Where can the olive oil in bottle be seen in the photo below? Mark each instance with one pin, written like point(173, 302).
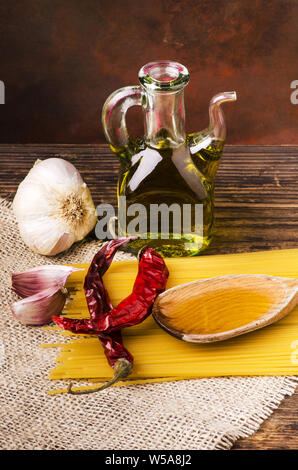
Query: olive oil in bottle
point(169, 197)
point(166, 181)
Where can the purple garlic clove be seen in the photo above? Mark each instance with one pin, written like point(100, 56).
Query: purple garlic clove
point(37, 279)
point(39, 308)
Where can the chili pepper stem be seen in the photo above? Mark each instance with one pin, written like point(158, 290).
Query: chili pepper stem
point(122, 369)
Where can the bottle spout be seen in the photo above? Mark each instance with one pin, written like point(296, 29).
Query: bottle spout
point(217, 125)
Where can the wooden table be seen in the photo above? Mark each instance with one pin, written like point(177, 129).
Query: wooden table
point(256, 209)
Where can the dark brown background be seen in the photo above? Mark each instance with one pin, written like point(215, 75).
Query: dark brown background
point(60, 59)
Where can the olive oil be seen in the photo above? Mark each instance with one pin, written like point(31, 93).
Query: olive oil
point(223, 307)
point(216, 312)
point(177, 179)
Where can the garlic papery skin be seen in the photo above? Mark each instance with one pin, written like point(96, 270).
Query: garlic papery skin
point(53, 207)
point(37, 279)
point(39, 308)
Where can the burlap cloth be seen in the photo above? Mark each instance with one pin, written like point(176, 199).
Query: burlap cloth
point(189, 414)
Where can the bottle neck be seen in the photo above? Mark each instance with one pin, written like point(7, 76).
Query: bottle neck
point(164, 119)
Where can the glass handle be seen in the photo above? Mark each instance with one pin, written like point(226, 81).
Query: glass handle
point(114, 112)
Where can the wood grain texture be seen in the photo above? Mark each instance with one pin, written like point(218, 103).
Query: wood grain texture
point(256, 209)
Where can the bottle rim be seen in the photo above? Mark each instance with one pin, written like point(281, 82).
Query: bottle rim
point(164, 75)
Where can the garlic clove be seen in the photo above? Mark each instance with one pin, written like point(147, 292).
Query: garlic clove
point(46, 236)
point(64, 242)
point(34, 280)
point(32, 200)
point(39, 308)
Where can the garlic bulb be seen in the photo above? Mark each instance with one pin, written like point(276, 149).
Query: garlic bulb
point(53, 207)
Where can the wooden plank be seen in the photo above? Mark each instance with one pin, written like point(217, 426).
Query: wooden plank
point(256, 209)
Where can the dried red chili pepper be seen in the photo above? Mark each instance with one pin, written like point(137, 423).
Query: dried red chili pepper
point(118, 357)
point(150, 282)
point(97, 297)
point(107, 323)
point(98, 302)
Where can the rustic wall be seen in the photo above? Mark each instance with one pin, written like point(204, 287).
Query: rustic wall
point(60, 59)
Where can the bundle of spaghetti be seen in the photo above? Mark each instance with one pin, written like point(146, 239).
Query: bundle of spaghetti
point(158, 356)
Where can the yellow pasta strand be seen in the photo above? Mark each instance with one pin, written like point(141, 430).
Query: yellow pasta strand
point(159, 356)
